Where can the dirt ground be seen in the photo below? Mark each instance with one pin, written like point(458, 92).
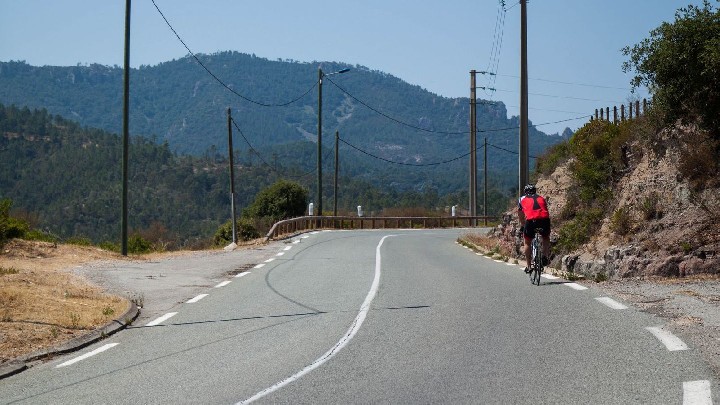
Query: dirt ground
point(43, 303)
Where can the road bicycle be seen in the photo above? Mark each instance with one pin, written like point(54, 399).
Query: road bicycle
point(536, 262)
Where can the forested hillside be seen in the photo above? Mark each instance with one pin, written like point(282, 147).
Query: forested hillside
point(180, 104)
point(66, 179)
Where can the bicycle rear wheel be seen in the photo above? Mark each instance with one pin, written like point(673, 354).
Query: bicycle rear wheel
point(536, 261)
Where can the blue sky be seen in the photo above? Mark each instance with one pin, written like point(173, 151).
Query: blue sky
point(433, 44)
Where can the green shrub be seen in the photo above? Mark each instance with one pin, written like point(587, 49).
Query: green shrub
point(137, 244)
point(649, 207)
point(552, 158)
point(40, 236)
point(79, 241)
point(578, 230)
point(110, 246)
point(620, 221)
point(282, 200)
point(245, 231)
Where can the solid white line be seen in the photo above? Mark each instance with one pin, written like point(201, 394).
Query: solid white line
point(287, 248)
point(86, 355)
point(611, 303)
point(269, 260)
point(257, 266)
point(576, 286)
point(357, 323)
point(244, 273)
point(697, 393)
point(162, 319)
point(196, 299)
point(223, 284)
point(549, 276)
point(671, 342)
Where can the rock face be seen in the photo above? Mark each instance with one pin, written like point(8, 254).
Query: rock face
point(673, 228)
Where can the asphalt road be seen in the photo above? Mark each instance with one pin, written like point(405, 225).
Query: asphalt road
point(376, 317)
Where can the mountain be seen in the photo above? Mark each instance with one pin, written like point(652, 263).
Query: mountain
point(179, 102)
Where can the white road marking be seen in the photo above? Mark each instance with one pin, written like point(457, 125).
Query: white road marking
point(296, 241)
point(499, 261)
point(86, 355)
point(697, 393)
point(162, 319)
point(280, 253)
point(304, 236)
point(269, 260)
point(549, 276)
point(357, 323)
point(511, 264)
point(479, 254)
point(611, 303)
point(258, 266)
point(223, 284)
point(196, 299)
point(671, 342)
point(576, 286)
point(244, 273)
point(287, 248)
point(314, 233)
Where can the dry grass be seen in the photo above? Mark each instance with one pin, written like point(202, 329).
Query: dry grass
point(42, 304)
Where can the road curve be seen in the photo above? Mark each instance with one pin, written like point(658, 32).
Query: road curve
point(380, 317)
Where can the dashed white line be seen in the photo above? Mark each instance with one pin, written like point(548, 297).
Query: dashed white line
point(269, 260)
point(162, 319)
point(86, 355)
point(314, 233)
point(223, 284)
point(280, 253)
point(196, 299)
point(287, 248)
point(258, 266)
point(671, 342)
point(576, 286)
point(697, 393)
point(244, 273)
point(296, 241)
point(304, 237)
point(611, 303)
point(550, 276)
point(511, 264)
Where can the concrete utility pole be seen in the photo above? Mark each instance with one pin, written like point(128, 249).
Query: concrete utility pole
point(473, 146)
point(337, 164)
point(524, 175)
point(319, 145)
point(126, 135)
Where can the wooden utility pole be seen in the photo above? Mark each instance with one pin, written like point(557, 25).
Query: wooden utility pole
point(524, 175)
point(126, 134)
point(232, 178)
point(473, 146)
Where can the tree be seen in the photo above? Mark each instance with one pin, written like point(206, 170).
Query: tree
point(680, 64)
point(282, 200)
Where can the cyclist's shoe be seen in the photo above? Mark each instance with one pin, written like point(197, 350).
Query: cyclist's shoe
point(527, 270)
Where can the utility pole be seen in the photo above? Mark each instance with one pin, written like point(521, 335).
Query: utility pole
point(319, 145)
point(337, 163)
point(473, 147)
point(126, 134)
point(485, 181)
point(524, 175)
point(232, 178)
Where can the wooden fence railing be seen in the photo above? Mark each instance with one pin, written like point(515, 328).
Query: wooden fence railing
point(294, 225)
point(604, 114)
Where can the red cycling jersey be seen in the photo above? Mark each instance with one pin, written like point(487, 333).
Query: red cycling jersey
point(533, 206)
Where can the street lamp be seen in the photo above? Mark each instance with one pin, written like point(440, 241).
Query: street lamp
point(319, 136)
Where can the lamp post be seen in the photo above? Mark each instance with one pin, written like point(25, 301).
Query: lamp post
point(319, 136)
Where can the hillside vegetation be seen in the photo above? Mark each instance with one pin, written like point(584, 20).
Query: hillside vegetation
point(179, 103)
point(639, 198)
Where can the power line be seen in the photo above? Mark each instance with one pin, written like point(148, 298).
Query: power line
point(218, 79)
point(263, 160)
point(392, 118)
point(566, 97)
point(403, 163)
point(570, 83)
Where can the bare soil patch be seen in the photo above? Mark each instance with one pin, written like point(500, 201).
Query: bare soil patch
point(42, 304)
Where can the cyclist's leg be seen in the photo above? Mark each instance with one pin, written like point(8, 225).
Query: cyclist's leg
point(528, 251)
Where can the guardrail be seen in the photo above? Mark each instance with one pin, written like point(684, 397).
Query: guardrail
point(294, 225)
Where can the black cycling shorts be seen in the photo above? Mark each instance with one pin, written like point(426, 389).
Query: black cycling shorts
point(531, 224)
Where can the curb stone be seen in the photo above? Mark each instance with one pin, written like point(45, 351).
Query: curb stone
point(24, 362)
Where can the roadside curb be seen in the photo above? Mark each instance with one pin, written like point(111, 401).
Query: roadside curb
point(23, 363)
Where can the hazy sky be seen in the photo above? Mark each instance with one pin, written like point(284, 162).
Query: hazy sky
point(433, 44)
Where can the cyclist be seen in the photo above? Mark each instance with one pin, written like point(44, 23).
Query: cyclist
point(533, 213)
